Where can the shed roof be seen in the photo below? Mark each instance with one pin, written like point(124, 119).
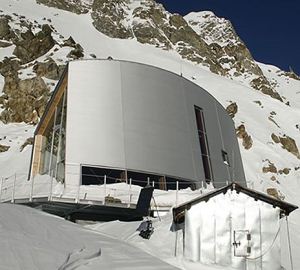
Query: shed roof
point(286, 208)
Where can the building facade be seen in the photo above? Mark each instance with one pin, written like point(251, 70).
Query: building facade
point(128, 120)
point(233, 227)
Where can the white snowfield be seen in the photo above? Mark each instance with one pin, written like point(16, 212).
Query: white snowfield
point(33, 240)
point(50, 244)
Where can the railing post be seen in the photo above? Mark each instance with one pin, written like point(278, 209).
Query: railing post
point(152, 183)
point(13, 191)
point(2, 180)
point(130, 181)
point(104, 188)
point(31, 189)
point(177, 187)
point(148, 181)
point(51, 188)
point(78, 194)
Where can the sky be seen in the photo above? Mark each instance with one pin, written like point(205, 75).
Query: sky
point(269, 28)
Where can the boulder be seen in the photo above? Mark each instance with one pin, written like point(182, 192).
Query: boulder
point(4, 148)
point(262, 84)
point(270, 168)
point(242, 134)
point(274, 193)
point(232, 109)
point(287, 143)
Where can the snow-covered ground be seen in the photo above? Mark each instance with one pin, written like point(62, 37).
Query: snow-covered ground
point(254, 111)
point(33, 240)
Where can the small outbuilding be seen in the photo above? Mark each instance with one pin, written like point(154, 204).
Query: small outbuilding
point(233, 227)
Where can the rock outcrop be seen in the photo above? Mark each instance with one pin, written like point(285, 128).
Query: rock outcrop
point(287, 143)
point(275, 193)
point(232, 109)
point(31, 46)
point(200, 37)
point(4, 148)
point(23, 100)
point(48, 69)
point(270, 168)
point(242, 134)
point(5, 31)
point(75, 6)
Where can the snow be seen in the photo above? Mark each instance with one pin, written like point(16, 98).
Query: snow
point(6, 52)
point(31, 239)
point(254, 116)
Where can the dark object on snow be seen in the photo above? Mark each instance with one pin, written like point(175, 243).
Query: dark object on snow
point(144, 200)
point(146, 229)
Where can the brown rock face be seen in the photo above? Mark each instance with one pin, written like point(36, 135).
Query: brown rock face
point(9, 66)
point(23, 100)
point(270, 168)
point(242, 134)
point(287, 143)
point(4, 148)
point(284, 171)
point(75, 6)
point(5, 31)
point(108, 16)
point(263, 85)
point(275, 138)
point(48, 69)
point(232, 109)
point(274, 193)
point(30, 46)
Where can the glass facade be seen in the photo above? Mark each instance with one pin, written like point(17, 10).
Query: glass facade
point(54, 141)
point(206, 162)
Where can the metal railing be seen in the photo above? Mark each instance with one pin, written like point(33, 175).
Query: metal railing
point(108, 190)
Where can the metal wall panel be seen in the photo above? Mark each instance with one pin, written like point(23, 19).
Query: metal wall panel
point(138, 117)
point(94, 115)
point(156, 130)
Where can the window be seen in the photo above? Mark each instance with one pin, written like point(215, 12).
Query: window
point(225, 157)
point(206, 162)
point(53, 148)
point(93, 175)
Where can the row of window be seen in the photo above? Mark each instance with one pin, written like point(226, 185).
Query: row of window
point(98, 176)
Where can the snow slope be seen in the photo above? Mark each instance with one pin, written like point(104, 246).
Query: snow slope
point(34, 240)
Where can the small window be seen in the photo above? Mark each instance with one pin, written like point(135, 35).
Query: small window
point(225, 158)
